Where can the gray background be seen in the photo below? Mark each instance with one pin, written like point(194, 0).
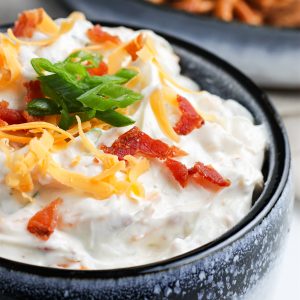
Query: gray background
point(9, 9)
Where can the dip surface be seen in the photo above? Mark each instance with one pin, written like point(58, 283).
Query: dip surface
point(130, 229)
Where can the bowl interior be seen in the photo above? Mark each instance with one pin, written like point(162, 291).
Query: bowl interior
point(217, 77)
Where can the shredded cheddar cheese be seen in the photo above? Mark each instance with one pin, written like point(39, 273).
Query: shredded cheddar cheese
point(149, 53)
point(119, 55)
point(166, 94)
point(49, 27)
point(91, 185)
point(10, 68)
point(21, 165)
point(36, 125)
point(116, 58)
point(101, 186)
point(75, 161)
point(167, 78)
point(38, 157)
point(74, 131)
point(159, 110)
point(107, 159)
point(136, 167)
point(15, 138)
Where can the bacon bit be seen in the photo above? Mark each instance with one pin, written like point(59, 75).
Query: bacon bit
point(10, 116)
point(64, 266)
point(3, 123)
point(69, 263)
point(27, 22)
point(179, 171)
point(195, 6)
point(102, 69)
point(44, 222)
point(96, 160)
point(135, 141)
point(247, 14)
point(207, 174)
point(34, 90)
point(29, 118)
point(134, 46)
point(189, 120)
point(98, 36)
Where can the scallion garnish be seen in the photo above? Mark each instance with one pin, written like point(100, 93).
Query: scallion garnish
point(69, 89)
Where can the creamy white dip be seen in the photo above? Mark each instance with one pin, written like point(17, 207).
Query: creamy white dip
point(118, 232)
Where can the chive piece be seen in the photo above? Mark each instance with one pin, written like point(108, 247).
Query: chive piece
point(42, 107)
point(114, 118)
point(108, 96)
point(69, 89)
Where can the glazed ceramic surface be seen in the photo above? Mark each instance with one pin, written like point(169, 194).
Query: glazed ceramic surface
point(236, 265)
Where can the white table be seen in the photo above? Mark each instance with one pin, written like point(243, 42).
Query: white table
point(288, 287)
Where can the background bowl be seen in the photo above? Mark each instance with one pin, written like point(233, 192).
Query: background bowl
point(269, 55)
point(238, 263)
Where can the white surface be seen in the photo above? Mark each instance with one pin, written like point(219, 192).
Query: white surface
point(288, 284)
point(287, 287)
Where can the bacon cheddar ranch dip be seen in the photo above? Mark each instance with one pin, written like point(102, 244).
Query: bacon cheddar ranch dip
point(109, 156)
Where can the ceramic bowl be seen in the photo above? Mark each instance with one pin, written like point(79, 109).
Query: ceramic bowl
point(238, 264)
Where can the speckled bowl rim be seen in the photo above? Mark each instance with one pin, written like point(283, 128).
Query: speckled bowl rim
point(259, 211)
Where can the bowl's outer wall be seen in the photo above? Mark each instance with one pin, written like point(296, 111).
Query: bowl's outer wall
point(224, 272)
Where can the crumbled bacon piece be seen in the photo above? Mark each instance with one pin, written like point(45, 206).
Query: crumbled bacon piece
point(98, 36)
point(27, 22)
point(179, 171)
point(135, 141)
point(34, 90)
point(134, 46)
point(207, 174)
point(10, 116)
point(44, 222)
point(15, 116)
point(102, 69)
point(3, 123)
point(29, 118)
point(189, 120)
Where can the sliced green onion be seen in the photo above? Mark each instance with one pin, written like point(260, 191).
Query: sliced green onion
point(69, 89)
point(108, 96)
point(42, 107)
point(65, 120)
point(114, 118)
point(90, 59)
point(126, 74)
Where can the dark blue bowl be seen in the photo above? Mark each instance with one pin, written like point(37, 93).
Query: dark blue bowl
point(237, 264)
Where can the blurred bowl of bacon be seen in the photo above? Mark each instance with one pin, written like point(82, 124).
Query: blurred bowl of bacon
point(259, 37)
